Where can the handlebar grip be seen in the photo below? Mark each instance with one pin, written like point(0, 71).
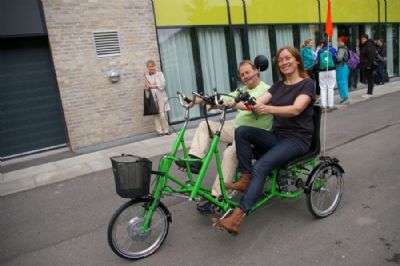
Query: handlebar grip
point(248, 107)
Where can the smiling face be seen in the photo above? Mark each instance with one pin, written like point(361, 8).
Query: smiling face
point(249, 75)
point(287, 63)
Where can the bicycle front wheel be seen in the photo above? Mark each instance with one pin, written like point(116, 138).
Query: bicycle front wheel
point(126, 236)
point(325, 191)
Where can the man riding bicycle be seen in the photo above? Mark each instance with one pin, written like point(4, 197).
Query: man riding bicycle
point(250, 77)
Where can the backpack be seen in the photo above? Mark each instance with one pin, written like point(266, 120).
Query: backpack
point(353, 60)
point(326, 60)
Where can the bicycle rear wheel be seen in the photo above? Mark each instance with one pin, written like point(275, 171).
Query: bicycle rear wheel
point(325, 192)
point(125, 235)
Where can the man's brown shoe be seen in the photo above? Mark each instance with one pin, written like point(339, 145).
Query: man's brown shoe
point(241, 184)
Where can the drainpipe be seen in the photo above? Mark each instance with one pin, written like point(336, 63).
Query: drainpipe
point(231, 50)
point(155, 25)
point(319, 21)
point(379, 18)
point(385, 19)
point(246, 32)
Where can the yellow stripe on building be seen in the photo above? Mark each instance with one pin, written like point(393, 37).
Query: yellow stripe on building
point(215, 12)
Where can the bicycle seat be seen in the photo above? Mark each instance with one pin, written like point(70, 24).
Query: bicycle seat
point(315, 147)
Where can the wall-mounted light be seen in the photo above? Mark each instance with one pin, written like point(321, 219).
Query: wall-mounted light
point(113, 76)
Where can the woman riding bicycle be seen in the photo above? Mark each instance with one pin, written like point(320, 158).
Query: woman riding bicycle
point(290, 102)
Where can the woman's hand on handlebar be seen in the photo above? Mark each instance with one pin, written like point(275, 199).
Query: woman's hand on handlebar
point(261, 109)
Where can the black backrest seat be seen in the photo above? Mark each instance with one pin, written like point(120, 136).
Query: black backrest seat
point(315, 147)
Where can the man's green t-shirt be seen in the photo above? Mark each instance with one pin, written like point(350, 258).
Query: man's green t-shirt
point(248, 118)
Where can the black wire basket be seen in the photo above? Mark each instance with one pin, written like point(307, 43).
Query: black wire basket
point(132, 175)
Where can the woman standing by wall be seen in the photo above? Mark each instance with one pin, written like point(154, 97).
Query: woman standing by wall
point(155, 82)
point(342, 70)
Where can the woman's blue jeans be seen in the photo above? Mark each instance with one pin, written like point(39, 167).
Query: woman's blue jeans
point(276, 152)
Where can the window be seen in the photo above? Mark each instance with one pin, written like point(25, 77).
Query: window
point(214, 60)
point(178, 68)
point(259, 44)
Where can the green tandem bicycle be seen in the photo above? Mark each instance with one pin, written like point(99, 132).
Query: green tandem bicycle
point(139, 227)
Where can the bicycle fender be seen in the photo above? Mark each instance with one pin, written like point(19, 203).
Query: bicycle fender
point(165, 209)
point(313, 174)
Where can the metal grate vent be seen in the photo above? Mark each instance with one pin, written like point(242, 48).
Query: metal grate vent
point(106, 43)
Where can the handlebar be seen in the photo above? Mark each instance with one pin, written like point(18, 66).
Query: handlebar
point(185, 101)
point(214, 100)
point(245, 97)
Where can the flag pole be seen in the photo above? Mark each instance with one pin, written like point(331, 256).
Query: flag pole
point(329, 32)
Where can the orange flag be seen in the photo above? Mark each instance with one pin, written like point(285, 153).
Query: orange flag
point(328, 25)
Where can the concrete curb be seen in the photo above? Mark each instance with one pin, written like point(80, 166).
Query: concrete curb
point(48, 173)
point(52, 172)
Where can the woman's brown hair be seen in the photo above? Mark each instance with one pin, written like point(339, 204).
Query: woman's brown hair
point(296, 54)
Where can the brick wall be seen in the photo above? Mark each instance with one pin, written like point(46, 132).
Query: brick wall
point(96, 110)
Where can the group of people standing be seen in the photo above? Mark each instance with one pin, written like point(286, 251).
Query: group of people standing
point(328, 74)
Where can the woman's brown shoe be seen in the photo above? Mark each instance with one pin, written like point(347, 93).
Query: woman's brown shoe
point(241, 184)
point(232, 223)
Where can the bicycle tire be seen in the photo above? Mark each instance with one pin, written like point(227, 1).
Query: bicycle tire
point(124, 235)
point(323, 198)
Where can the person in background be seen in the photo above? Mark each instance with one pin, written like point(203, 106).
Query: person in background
point(367, 55)
point(342, 70)
point(316, 70)
point(250, 77)
point(155, 82)
point(327, 79)
point(290, 101)
point(308, 57)
point(382, 61)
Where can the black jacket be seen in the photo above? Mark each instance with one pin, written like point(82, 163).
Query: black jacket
point(367, 54)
